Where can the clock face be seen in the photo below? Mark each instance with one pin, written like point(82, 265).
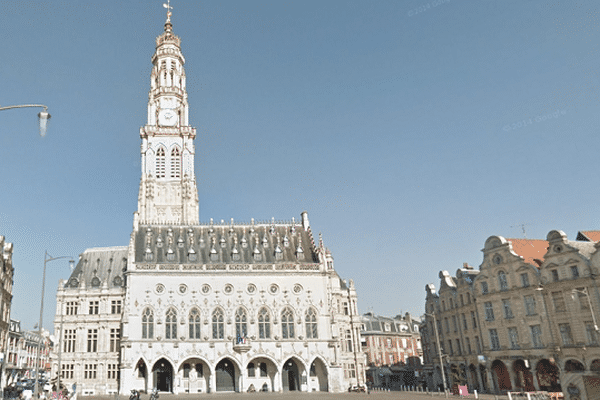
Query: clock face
point(167, 118)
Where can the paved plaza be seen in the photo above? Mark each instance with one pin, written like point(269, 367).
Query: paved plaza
point(299, 396)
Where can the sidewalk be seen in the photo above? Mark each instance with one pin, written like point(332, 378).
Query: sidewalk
point(374, 395)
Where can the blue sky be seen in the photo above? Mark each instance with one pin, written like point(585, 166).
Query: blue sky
point(410, 131)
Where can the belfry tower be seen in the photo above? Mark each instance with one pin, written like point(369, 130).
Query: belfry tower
point(168, 192)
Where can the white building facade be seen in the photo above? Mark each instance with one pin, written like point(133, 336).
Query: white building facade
point(203, 307)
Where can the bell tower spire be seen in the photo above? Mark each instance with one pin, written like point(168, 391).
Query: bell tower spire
point(168, 192)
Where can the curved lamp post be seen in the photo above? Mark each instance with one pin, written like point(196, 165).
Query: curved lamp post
point(43, 116)
point(584, 292)
point(47, 258)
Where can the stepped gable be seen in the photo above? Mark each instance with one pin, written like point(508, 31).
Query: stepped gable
point(532, 250)
point(99, 267)
point(255, 243)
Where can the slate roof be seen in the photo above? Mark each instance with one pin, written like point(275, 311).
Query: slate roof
point(99, 267)
point(261, 243)
point(532, 250)
point(588, 236)
point(375, 324)
point(585, 248)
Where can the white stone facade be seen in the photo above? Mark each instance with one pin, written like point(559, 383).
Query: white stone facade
point(192, 307)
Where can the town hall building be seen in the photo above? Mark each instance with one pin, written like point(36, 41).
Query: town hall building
point(196, 307)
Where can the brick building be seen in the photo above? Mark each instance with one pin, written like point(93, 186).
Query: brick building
point(393, 350)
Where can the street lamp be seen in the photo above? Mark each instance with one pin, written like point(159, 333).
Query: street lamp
point(47, 259)
point(540, 289)
point(585, 292)
point(43, 116)
point(437, 339)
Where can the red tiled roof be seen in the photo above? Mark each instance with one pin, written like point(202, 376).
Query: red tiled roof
point(592, 236)
point(532, 250)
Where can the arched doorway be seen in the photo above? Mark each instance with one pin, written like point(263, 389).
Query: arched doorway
point(318, 376)
point(473, 378)
point(547, 375)
point(502, 378)
point(454, 375)
point(261, 372)
point(574, 366)
point(290, 377)
point(141, 372)
point(523, 377)
point(194, 376)
point(162, 373)
point(438, 383)
point(225, 376)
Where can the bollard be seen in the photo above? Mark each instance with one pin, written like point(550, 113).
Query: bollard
point(528, 396)
point(509, 396)
point(475, 392)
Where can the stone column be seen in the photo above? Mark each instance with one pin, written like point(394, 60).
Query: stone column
point(536, 384)
point(212, 382)
point(479, 380)
point(492, 384)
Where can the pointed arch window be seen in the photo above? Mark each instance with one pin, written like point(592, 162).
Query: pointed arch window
point(147, 324)
point(194, 324)
point(287, 323)
point(171, 324)
point(218, 324)
point(264, 324)
point(311, 324)
point(241, 324)
point(160, 162)
point(175, 163)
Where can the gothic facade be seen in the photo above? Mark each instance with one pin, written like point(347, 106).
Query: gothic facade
point(203, 307)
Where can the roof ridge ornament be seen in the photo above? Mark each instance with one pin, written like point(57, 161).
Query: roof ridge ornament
point(168, 6)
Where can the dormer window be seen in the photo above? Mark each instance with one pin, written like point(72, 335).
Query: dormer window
point(554, 274)
point(574, 272)
point(95, 282)
point(387, 327)
point(222, 242)
point(148, 256)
